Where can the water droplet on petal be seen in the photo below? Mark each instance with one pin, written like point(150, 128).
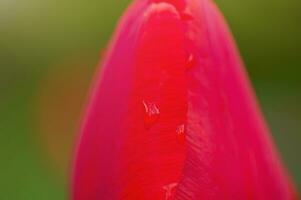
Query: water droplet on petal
point(170, 190)
point(152, 113)
point(181, 133)
point(191, 62)
point(186, 16)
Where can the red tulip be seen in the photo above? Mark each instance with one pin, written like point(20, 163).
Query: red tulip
point(173, 115)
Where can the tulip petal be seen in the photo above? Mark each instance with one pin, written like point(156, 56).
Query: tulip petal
point(230, 154)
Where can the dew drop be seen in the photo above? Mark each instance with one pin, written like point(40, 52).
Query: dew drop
point(186, 16)
point(152, 113)
point(191, 62)
point(181, 133)
point(170, 190)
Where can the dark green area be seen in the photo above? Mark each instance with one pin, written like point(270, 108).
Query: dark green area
point(35, 35)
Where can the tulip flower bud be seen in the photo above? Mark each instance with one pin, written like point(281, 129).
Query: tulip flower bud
point(173, 116)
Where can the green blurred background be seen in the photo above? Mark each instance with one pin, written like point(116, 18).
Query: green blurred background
point(49, 50)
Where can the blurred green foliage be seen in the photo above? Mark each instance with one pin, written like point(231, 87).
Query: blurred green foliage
point(36, 35)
